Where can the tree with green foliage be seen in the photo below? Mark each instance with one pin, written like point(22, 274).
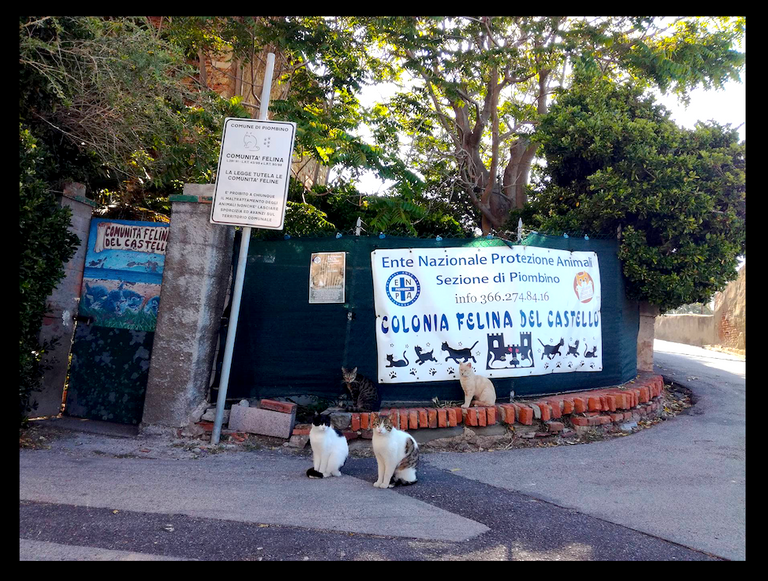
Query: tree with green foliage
point(117, 108)
point(323, 63)
point(482, 86)
point(105, 102)
point(45, 246)
point(616, 163)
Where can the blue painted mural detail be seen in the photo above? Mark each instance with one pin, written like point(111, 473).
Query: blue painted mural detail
point(123, 273)
point(120, 297)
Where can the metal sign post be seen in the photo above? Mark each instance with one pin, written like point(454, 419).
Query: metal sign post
point(250, 203)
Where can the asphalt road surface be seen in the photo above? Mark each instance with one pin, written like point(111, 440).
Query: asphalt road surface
point(675, 491)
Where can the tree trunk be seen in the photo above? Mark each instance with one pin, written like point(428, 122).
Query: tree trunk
point(645, 336)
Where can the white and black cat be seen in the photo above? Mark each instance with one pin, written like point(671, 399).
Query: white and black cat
point(329, 448)
point(397, 454)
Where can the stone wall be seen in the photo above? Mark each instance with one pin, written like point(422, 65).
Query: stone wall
point(730, 319)
point(58, 322)
point(196, 280)
point(726, 328)
point(688, 329)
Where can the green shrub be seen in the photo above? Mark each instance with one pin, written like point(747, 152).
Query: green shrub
point(45, 245)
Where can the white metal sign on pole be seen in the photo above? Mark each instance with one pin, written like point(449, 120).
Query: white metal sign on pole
point(254, 172)
point(251, 191)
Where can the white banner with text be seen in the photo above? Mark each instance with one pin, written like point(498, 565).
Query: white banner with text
point(511, 310)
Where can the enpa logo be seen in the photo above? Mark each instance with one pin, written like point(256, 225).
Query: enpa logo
point(403, 288)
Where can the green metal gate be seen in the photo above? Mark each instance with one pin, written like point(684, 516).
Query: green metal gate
point(113, 339)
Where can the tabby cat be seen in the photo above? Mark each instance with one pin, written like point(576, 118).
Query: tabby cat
point(397, 454)
point(329, 448)
point(364, 393)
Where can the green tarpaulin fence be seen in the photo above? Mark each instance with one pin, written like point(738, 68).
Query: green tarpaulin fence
point(286, 346)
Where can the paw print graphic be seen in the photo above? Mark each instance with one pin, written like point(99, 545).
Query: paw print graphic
point(432, 371)
point(392, 374)
point(451, 371)
point(413, 371)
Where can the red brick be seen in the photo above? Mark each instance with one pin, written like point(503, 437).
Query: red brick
point(350, 435)
point(355, 423)
point(404, 415)
point(432, 415)
point(616, 418)
point(567, 406)
point(524, 414)
point(394, 415)
point(600, 420)
point(423, 420)
point(459, 415)
point(611, 399)
point(579, 421)
point(509, 413)
point(555, 405)
point(471, 419)
point(593, 403)
point(413, 419)
point(442, 418)
point(451, 417)
point(546, 411)
point(622, 401)
point(644, 395)
point(555, 426)
point(490, 416)
point(277, 406)
point(481, 417)
point(301, 430)
point(579, 405)
point(365, 421)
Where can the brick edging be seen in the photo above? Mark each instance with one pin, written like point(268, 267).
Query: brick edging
point(595, 407)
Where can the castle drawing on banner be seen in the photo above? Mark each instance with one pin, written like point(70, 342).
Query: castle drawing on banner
point(503, 356)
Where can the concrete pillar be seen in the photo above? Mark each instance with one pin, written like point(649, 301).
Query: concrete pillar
point(645, 335)
point(196, 279)
point(58, 323)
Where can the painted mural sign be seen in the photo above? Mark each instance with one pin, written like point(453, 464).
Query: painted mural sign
point(511, 311)
point(118, 236)
point(123, 273)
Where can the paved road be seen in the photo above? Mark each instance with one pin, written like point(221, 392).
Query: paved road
point(673, 492)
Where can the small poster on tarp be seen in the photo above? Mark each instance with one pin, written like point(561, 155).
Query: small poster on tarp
point(327, 277)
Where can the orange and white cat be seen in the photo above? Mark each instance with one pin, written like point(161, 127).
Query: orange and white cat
point(475, 386)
